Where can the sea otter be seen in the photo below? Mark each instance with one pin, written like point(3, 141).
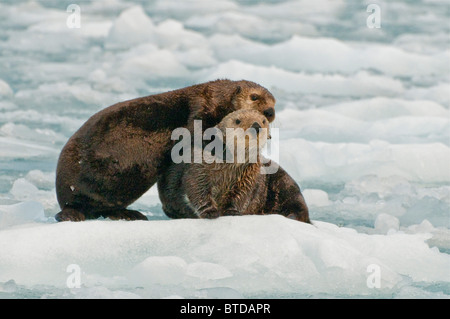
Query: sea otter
point(222, 185)
point(117, 155)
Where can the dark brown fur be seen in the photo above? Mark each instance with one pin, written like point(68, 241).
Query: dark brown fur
point(116, 156)
point(284, 196)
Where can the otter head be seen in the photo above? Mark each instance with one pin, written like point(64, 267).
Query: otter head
point(247, 130)
point(249, 95)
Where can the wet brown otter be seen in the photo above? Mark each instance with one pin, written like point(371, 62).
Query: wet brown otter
point(284, 196)
point(212, 189)
point(116, 156)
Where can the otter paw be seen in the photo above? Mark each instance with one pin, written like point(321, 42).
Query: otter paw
point(70, 214)
point(124, 214)
point(209, 213)
point(231, 212)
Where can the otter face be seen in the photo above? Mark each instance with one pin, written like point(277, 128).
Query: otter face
point(252, 96)
point(248, 129)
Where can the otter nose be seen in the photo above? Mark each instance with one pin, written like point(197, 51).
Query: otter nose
point(269, 113)
point(256, 126)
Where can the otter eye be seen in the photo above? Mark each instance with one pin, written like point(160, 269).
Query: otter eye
point(238, 121)
point(254, 97)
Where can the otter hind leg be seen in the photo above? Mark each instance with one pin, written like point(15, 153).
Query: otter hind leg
point(71, 214)
point(124, 214)
point(285, 198)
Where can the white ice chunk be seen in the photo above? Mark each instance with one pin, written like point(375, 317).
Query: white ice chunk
point(316, 197)
point(45, 136)
point(438, 93)
point(252, 26)
point(381, 108)
point(189, 7)
point(163, 270)
point(23, 190)
point(171, 34)
point(424, 227)
point(330, 55)
point(361, 84)
point(262, 252)
point(40, 179)
point(133, 26)
point(101, 293)
point(207, 271)
point(5, 89)
point(150, 198)
point(385, 223)
point(218, 293)
point(15, 148)
point(156, 64)
point(348, 161)
point(21, 213)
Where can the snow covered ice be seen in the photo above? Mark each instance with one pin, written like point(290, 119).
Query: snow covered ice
point(364, 129)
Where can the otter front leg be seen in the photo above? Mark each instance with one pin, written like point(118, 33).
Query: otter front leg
point(238, 198)
point(204, 206)
point(236, 201)
point(234, 206)
point(200, 199)
point(208, 210)
point(231, 211)
point(285, 198)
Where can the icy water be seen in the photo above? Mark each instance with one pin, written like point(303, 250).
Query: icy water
point(364, 122)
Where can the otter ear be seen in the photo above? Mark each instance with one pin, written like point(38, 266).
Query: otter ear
point(235, 94)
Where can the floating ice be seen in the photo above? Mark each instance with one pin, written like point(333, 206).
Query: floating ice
point(252, 255)
point(41, 180)
point(386, 223)
point(392, 120)
point(21, 213)
point(189, 7)
point(364, 129)
point(101, 293)
point(438, 93)
point(80, 93)
point(158, 270)
point(65, 123)
point(159, 63)
point(381, 108)
point(347, 161)
point(25, 133)
point(316, 197)
point(207, 271)
point(132, 27)
point(24, 190)
point(250, 26)
point(331, 55)
point(15, 148)
point(362, 84)
point(5, 89)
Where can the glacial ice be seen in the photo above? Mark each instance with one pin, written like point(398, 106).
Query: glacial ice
point(21, 213)
point(5, 89)
point(243, 253)
point(363, 83)
point(364, 125)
